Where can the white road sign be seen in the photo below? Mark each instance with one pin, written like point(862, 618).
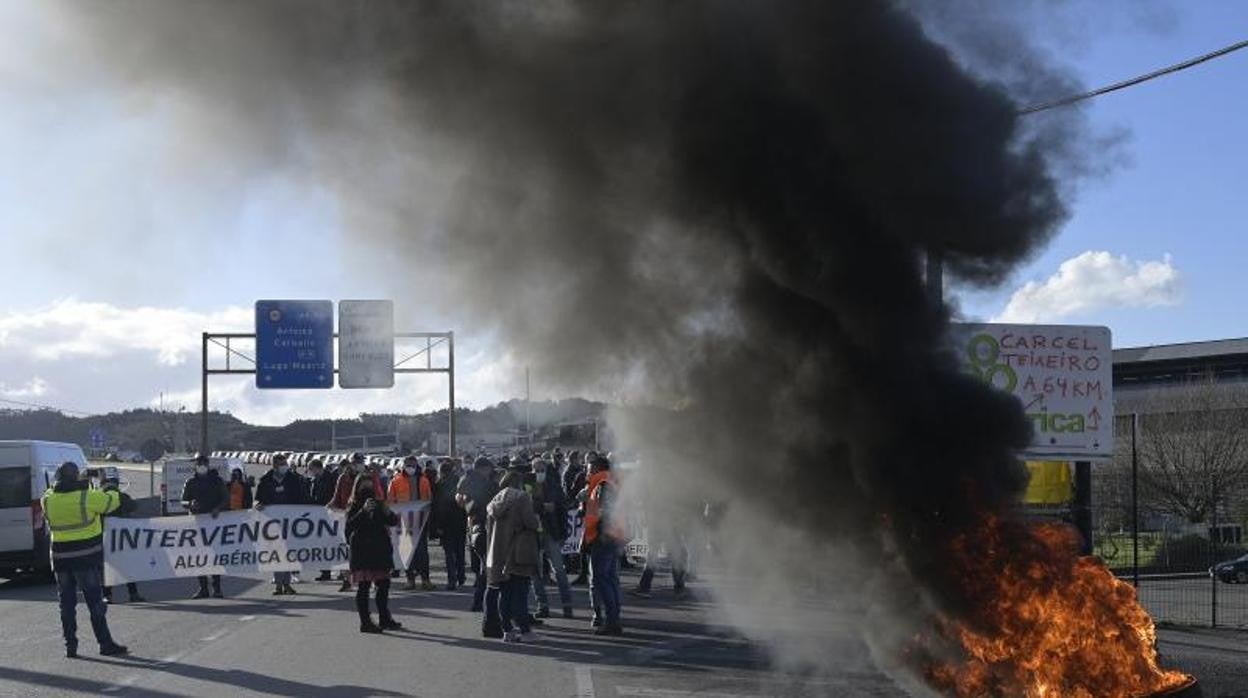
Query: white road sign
point(366, 344)
point(1063, 374)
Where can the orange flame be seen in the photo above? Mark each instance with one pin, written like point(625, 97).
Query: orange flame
point(1046, 622)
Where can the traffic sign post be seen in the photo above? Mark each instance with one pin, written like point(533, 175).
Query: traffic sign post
point(293, 348)
point(152, 450)
point(294, 344)
point(366, 344)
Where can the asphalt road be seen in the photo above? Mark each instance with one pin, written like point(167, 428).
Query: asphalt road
point(254, 644)
point(1217, 658)
point(1189, 602)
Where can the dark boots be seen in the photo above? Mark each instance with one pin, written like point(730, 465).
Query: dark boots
point(361, 604)
point(383, 608)
point(387, 621)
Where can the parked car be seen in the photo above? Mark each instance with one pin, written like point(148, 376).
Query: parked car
point(1232, 571)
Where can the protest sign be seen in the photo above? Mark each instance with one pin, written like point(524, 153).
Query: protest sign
point(281, 538)
point(576, 527)
point(1062, 375)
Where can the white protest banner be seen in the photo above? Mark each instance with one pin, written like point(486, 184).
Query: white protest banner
point(1063, 375)
point(281, 538)
point(638, 545)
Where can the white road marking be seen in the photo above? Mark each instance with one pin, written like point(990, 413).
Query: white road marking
point(124, 683)
point(584, 682)
point(244, 619)
point(215, 636)
point(130, 679)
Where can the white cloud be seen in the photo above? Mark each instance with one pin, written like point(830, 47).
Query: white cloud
point(35, 387)
point(1093, 281)
point(102, 357)
point(70, 328)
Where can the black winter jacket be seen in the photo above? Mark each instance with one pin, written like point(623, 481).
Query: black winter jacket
point(449, 519)
point(126, 508)
point(554, 523)
point(204, 494)
point(321, 489)
point(368, 538)
point(275, 489)
point(573, 481)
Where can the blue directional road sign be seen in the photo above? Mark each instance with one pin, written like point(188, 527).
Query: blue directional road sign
point(294, 344)
point(98, 438)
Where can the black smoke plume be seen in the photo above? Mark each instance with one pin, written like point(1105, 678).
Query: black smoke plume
point(718, 208)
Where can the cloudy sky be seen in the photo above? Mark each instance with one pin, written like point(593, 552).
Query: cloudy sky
point(124, 240)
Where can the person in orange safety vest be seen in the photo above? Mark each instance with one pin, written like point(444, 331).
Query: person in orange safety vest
point(603, 540)
point(411, 485)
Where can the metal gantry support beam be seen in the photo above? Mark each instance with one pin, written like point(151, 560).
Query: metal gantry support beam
point(224, 340)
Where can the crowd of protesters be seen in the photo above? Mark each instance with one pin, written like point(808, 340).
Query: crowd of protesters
point(505, 518)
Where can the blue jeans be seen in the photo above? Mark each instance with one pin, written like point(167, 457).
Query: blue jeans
point(552, 551)
point(604, 577)
point(88, 579)
point(513, 606)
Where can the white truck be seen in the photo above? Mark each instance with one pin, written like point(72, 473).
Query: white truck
point(27, 469)
point(175, 473)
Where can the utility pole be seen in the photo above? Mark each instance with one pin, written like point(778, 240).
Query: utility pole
point(450, 412)
point(203, 405)
point(1215, 536)
point(528, 416)
point(1135, 505)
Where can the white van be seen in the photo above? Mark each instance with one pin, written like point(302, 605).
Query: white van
point(26, 470)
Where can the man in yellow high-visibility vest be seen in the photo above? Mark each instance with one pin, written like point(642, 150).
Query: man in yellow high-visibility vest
point(75, 514)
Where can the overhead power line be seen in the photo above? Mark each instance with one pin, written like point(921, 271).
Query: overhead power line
point(1136, 80)
point(46, 407)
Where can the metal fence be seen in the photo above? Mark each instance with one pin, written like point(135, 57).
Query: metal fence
point(1143, 536)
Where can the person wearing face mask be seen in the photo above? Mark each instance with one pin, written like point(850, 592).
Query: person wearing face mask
point(279, 486)
point(205, 493)
point(371, 553)
point(552, 509)
point(410, 485)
